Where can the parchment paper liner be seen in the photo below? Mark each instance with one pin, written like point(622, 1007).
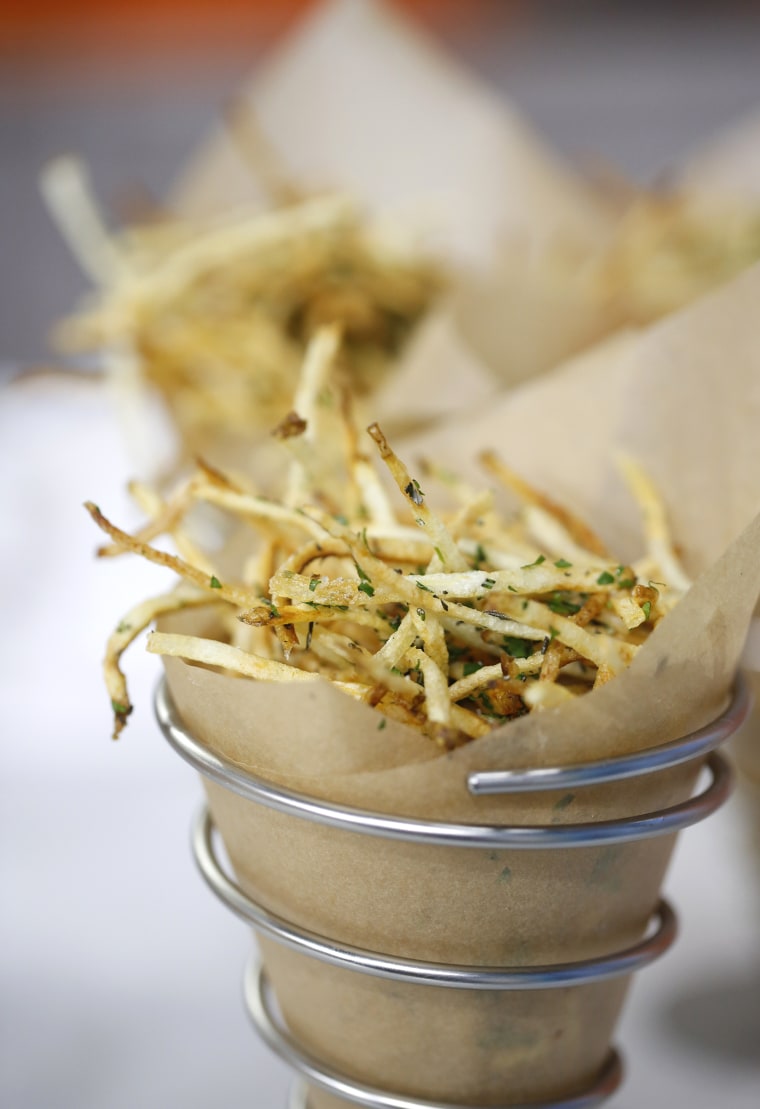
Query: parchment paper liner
point(662, 395)
point(359, 99)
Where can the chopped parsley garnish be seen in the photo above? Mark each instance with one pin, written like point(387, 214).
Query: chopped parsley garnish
point(471, 668)
point(517, 648)
point(421, 613)
point(553, 633)
point(626, 583)
point(489, 583)
point(313, 583)
point(215, 583)
point(605, 578)
point(123, 627)
point(119, 709)
point(480, 556)
point(382, 724)
point(562, 606)
point(365, 587)
point(537, 562)
point(425, 588)
point(646, 608)
point(362, 573)
point(562, 564)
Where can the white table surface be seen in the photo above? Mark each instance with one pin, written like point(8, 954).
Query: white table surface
point(120, 975)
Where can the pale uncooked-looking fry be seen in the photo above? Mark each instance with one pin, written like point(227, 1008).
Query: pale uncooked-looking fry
point(655, 523)
point(211, 652)
point(581, 532)
point(66, 190)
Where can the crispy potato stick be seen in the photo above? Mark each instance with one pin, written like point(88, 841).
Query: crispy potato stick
point(600, 649)
point(217, 590)
point(655, 523)
point(211, 652)
point(127, 630)
point(437, 703)
point(447, 554)
point(546, 695)
point(581, 532)
point(66, 190)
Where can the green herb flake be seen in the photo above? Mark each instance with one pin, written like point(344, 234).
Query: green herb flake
point(646, 608)
point(563, 564)
point(562, 606)
point(605, 578)
point(365, 587)
point(563, 802)
point(381, 726)
point(489, 583)
point(424, 588)
point(119, 709)
point(313, 582)
point(626, 583)
point(438, 552)
point(123, 627)
point(422, 614)
point(536, 562)
point(512, 589)
point(553, 633)
point(480, 555)
point(471, 667)
point(517, 648)
point(215, 583)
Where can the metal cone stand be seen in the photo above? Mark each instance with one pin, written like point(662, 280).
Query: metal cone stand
point(699, 746)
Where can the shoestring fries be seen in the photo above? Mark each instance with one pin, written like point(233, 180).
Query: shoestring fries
point(451, 622)
point(216, 315)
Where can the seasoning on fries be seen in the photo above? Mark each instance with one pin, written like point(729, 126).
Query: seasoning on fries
point(450, 622)
point(216, 315)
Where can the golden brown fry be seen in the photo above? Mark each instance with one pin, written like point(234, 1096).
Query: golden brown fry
point(579, 530)
point(127, 630)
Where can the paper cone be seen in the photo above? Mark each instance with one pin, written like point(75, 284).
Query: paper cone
point(432, 146)
point(360, 99)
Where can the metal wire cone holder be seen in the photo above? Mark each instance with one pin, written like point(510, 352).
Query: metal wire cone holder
point(696, 746)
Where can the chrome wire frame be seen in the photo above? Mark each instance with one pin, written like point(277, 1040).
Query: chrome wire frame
point(698, 746)
point(659, 938)
point(259, 1005)
point(246, 784)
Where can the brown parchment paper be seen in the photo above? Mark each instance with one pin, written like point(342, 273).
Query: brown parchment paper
point(359, 99)
point(727, 167)
point(665, 395)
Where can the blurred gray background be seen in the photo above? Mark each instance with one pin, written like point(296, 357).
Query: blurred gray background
point(630, 85)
